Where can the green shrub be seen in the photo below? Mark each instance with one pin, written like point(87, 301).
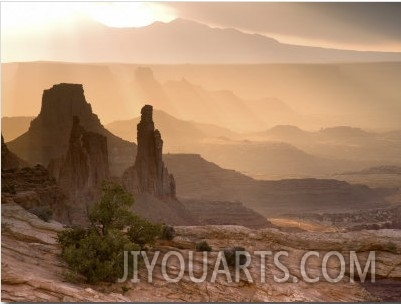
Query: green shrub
point(125, 289)
point(42, 212)
point(112, 211)
point(98, 252)
point(99, 257)
point(71, 236)
point(203, 246)
point(167, 232)
point(230, 256)
point(142, 231)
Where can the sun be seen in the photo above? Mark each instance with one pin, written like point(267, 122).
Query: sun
point(27, 16)
point(129, 14)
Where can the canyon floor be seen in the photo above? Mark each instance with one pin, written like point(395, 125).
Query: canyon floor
point(32, 269)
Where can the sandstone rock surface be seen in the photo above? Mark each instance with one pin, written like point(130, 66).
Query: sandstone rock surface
point(33, 271)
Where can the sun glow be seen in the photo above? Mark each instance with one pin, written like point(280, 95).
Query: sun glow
point(22, 16)
point(129, 14)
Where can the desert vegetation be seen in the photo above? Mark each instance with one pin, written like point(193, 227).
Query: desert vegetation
point(97, 252)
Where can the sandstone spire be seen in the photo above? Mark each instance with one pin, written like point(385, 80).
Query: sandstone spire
point(149, 174)
point(86, 163)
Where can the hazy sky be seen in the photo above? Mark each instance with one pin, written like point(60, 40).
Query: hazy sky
point(373, 26)
point(360, 26)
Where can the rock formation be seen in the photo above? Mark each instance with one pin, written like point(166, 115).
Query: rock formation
point(33, 187)
point(8, 159)
point(86, 164)
point(149, 174)
point(226, 213)
point(202, 180)
point(148, 179)
point(48, 134)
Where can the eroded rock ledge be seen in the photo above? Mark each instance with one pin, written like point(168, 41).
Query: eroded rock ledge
point(32, 269)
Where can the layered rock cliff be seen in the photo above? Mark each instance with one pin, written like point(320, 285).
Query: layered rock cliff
point(149, 174)
point(48, 134)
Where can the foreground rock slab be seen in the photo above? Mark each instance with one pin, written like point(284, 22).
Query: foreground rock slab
point(32, 269)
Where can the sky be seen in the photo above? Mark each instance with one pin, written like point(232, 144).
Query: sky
point(356, 26)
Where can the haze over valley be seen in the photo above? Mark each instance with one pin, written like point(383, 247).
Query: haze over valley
point(214, 127)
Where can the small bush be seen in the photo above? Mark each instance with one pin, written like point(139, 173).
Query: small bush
point(230, 256)
point(71, 236)
point(203, 246)
point(97, 257)
point(125, 289)
point(142, 232)
point(167, 232)
point(42, 212)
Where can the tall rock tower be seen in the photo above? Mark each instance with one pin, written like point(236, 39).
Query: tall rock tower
point(49, 133)
point(149, 174)
point(86, 164)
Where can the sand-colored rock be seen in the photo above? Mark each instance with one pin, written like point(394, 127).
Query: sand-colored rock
point(32, 269)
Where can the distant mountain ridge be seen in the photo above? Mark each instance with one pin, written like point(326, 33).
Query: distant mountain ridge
point(175, 131)
point(202, 180)
point(185, 41)
point(279, 152)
